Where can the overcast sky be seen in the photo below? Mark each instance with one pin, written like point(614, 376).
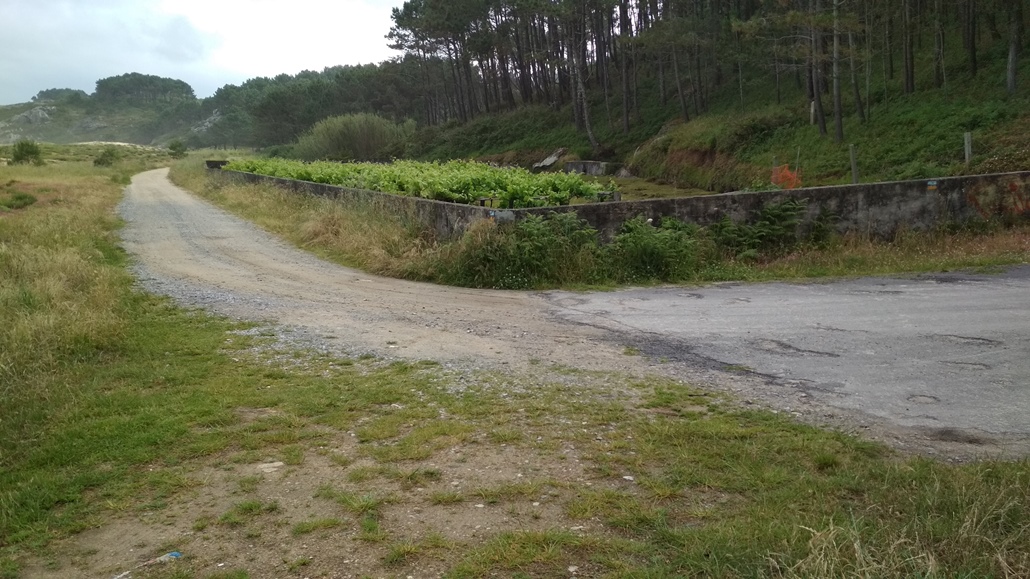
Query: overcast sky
point(207, 43)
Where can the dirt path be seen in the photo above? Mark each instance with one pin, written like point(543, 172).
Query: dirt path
point(202, 256)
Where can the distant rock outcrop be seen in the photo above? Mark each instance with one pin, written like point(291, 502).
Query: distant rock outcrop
point(550, 161)
point(206, 124)
point(37, 116)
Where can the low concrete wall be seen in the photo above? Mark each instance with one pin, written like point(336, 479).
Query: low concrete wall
point(447, 219)
point(877, 209)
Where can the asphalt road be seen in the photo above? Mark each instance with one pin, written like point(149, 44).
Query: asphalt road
point(948, 351)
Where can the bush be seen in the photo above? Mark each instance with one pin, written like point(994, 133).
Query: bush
point(774, 230)
point(533, 252)
point(26, 151)
point(360, 137)
point(671, 251)
point(107, 157)
point(562, 249)
point(177, 149)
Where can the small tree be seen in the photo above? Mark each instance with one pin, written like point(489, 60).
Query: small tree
point(26, 151)
point(177, 148)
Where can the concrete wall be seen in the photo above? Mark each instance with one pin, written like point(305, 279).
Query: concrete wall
point(447, 219)
point(878, 209)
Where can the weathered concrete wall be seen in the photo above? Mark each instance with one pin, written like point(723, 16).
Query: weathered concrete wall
point(447, 219)
point(878, 209)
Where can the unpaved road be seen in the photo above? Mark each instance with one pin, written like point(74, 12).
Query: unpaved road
point(934, 364)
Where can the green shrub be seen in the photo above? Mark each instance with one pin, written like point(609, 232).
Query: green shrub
point(109, 156)
point(26, 151)
point(532, 252)
point(562, 249)
point(672, 250)
point(775, 229)
point(360, 137)
point(177, 148)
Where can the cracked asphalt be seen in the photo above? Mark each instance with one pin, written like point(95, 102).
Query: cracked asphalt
point(948, 352)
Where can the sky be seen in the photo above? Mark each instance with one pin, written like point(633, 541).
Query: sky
point(207, 43)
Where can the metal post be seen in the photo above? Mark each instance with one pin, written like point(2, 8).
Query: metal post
point(969, 148)
point(854, 164)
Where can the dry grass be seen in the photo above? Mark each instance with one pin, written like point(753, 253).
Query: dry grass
point(58, 297)
point(855, 255)
point(354, 235)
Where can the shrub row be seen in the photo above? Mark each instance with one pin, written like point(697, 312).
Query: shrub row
point(562, 249)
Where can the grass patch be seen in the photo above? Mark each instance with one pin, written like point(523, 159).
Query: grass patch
point(445, 498)
point(401, 554)
point(245, 511)
point(316, 525)
point(16, 200)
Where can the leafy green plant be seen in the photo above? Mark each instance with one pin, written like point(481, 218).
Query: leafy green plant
point(775, 229)
point(26, 151)
point(532, 252)
point(671, 250)
point(453, 181)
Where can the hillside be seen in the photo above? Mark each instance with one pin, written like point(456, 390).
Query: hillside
point(696, 94)
point(132, 108)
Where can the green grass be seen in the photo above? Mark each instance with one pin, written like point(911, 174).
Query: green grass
point(316, 525)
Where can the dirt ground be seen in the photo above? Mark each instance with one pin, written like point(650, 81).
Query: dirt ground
point(203, 257)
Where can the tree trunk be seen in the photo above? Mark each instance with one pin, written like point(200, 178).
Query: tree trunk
point(624, 61)
point(661, 80)
point(970, 32)
point(908, 50)
point(854, 79)
point(679, 85)
point(838, 113)
point(581, 96)
point(1015, 44)
point(938, 46)
point(817, 98)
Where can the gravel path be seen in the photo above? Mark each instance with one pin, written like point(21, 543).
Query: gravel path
point(202, 256)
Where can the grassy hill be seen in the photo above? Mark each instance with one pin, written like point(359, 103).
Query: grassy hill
point(68, 122)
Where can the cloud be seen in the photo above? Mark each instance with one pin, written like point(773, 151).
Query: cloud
point(179, 42)
point(72, 43)
point(207, 43)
